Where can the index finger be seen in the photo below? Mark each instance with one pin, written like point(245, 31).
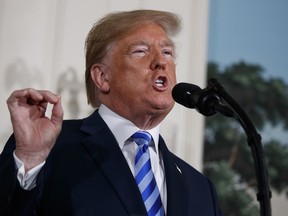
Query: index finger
point(32, 96)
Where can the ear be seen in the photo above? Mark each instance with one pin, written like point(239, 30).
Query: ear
point(99, 75)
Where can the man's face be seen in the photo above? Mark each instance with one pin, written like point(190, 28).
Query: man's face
point(141, 71)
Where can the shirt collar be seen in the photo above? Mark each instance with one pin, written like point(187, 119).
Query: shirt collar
point(122, 128)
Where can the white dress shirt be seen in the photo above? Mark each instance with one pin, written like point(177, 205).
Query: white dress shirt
point(122, 129)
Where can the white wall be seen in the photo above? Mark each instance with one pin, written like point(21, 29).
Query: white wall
point(42, 46)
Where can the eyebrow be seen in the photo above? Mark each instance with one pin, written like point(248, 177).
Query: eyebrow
point(166, 43)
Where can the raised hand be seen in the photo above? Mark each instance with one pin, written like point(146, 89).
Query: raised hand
point(34, 132)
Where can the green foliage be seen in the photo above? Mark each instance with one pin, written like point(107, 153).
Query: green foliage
point(277, 159)
point(235, 198)
point(265, 100)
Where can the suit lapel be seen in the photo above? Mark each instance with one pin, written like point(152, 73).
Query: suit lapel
point(104, 149)
point(176, 193)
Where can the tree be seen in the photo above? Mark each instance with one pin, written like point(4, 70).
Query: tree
point(227, 158)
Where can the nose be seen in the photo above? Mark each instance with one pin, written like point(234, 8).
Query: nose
point(159, 61)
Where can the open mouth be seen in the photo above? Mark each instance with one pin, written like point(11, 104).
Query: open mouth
point(161, 83)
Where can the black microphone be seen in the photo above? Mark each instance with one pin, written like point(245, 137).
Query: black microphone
point(205, 101)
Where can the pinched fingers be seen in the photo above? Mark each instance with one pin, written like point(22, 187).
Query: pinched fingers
point(35, 134)
point(57, 111)
point(30, 96)
point(31, 103)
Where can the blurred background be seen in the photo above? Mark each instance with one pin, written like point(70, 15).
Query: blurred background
point(248, 54)
point(242, 44)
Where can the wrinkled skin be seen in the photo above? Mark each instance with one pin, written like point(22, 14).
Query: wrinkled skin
point(138, 75)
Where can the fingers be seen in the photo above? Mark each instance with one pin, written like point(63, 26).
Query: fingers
point(31, 96)
point(24, 96)
point(33, 104)
point(35, 133)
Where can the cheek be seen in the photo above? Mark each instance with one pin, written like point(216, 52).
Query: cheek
point(172, 76)
point(125, 85)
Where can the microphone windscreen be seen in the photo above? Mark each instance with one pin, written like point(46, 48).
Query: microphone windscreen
point(182, 93)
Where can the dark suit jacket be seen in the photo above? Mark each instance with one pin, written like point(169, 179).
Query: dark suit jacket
point(87, 174)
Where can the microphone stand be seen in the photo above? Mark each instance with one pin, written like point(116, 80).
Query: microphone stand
point(254, 141)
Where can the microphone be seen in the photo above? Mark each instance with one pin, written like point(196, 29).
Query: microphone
point(205, 101)
point(208, 101)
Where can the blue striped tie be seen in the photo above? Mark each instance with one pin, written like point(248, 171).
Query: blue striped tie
point(145, 177)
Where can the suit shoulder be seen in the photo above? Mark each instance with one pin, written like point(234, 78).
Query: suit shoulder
point(72, 124)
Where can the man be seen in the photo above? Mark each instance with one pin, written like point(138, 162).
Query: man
point(88, 166)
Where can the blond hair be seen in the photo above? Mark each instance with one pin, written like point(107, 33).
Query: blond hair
point(113, 26)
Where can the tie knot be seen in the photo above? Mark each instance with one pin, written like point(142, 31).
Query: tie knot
point(142, 137)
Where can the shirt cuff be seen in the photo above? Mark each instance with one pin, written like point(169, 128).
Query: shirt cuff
point(27, 180)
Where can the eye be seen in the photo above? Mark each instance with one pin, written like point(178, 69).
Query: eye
point(168, 52)
point(139, 51)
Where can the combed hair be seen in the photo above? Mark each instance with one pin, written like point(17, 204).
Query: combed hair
point(114, 26)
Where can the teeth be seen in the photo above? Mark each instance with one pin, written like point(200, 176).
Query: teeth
point(159, 82)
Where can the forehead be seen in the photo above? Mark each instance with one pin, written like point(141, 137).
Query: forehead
point(146, 33)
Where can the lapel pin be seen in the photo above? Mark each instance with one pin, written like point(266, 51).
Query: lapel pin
point(178, 169)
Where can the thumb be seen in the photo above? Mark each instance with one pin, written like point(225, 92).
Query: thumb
point(57, 113)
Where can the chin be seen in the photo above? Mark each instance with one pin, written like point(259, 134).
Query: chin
point(165, 106)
